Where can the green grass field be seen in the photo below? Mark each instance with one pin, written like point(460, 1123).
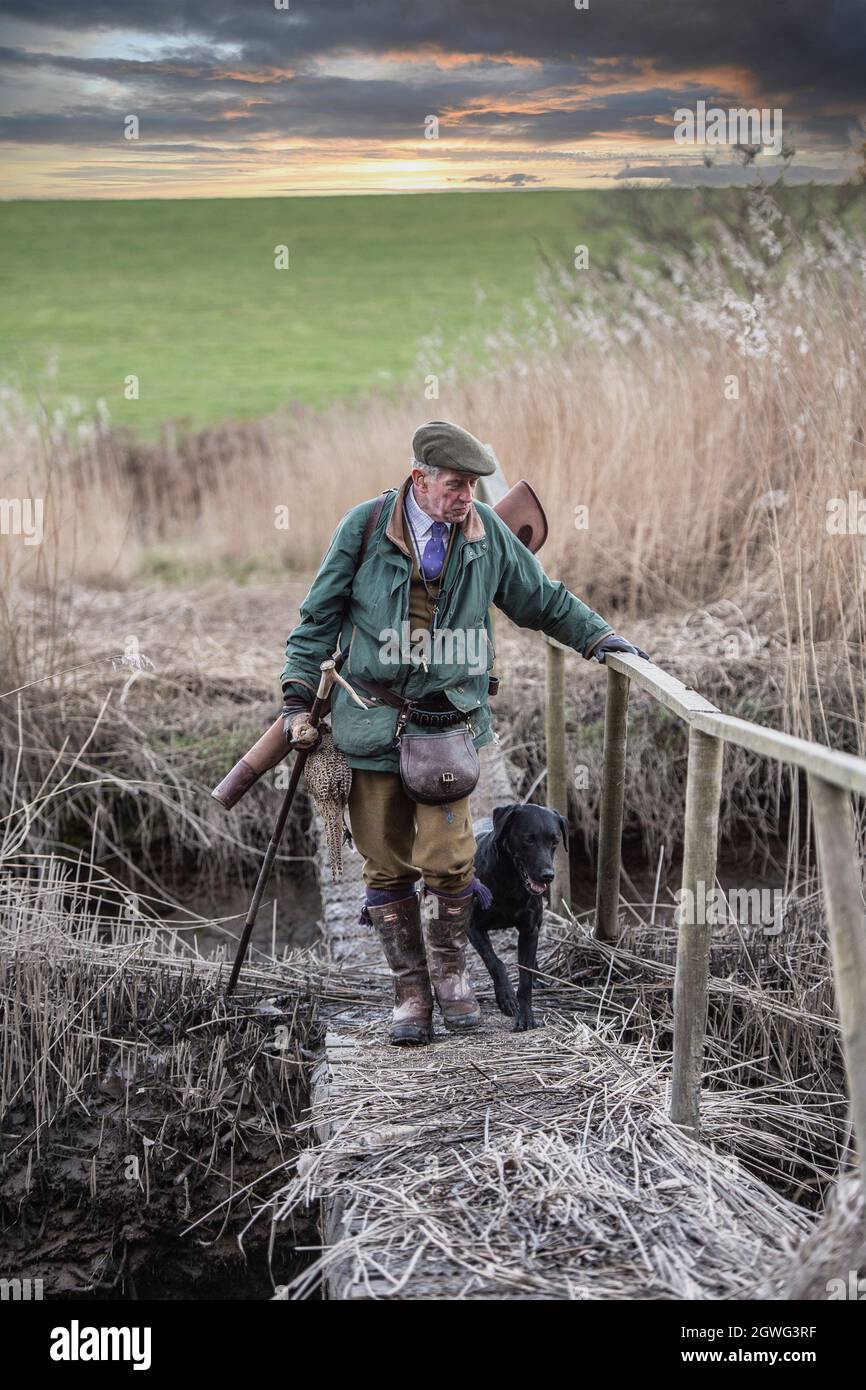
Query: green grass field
point(184, 294)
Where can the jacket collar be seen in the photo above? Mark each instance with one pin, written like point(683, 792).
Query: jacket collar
point(472, 526)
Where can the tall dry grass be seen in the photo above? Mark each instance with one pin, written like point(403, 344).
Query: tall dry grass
point(706, 516)
point(618, 402)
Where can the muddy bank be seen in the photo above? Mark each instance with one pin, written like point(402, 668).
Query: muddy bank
point(145, 1118)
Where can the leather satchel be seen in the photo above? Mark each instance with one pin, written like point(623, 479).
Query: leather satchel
point(438, 768)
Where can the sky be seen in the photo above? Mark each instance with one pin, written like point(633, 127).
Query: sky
point(240, 98)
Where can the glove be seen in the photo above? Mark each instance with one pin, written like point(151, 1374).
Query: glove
point(299, 732)
point(612, 643)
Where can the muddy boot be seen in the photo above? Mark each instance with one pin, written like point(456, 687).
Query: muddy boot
point(446, 935)
point(398, 926)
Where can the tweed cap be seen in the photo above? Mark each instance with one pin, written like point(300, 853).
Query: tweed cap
point(448, 446)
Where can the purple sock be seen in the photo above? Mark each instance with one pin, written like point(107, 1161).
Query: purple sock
point(378, 897)
point(476, 888)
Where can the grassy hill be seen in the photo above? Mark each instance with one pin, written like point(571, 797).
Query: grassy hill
point(184, 294)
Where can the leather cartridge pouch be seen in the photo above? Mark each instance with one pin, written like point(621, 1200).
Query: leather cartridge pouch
point(434, 768)
point(438, 768)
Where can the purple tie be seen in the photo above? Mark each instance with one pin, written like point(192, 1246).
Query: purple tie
point(434, 551)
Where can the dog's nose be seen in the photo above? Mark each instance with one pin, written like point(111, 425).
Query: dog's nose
point(547, 877)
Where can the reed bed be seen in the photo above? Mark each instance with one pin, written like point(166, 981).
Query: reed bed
point(115, 732)
point(829, 1263)
point(136, 1103)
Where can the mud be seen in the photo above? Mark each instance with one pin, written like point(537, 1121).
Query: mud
point(142, 1187)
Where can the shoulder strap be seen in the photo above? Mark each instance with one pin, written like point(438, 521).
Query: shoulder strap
point(372, 519)
point(369, 528)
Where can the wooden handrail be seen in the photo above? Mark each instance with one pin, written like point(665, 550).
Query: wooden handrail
point(840, 769)
point(831, 777)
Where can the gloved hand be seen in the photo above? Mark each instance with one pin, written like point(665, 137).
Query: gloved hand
point(299, 732)
point(611, 643)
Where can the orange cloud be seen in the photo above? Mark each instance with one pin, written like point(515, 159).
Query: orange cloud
point(645, 74)
point(434, 55)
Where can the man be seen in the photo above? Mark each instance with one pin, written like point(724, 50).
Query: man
point(435, 560)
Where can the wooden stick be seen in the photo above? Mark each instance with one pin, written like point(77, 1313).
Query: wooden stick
point(840, 872)
point(703, 792)
point(557, 785)
point(612, 785)
point(328, 676)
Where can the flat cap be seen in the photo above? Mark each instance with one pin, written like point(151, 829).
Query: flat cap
point(444, 445)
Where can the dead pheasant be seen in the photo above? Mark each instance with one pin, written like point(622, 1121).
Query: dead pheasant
point(329, 779)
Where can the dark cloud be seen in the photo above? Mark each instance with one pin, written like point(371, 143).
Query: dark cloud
point(512, 180)
point(731, 175)
point(542, 75)
point(786, 44)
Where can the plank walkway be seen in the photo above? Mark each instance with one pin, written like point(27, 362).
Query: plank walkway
point(508, 1165)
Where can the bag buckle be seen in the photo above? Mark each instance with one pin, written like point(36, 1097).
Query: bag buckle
point(447, 776)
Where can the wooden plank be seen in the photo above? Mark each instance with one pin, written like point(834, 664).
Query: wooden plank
point(354, 1030)
point(612, 787)
point(841, 769)
point(703, 792)
point(840, 871)
point(669, 691)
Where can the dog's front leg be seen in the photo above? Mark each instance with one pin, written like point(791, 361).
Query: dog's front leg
point(506, 999)
point(527, 949)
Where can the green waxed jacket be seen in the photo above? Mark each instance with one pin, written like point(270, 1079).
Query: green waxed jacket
point(366, 609)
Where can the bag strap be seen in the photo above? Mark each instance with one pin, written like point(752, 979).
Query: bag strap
point(369, 528)
point(372, 519)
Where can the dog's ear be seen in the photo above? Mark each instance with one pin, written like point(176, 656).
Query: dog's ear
point(501, 816)
point(563, 826)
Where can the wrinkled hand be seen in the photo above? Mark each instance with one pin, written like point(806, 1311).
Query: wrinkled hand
point(300, 732)
point(616, 644)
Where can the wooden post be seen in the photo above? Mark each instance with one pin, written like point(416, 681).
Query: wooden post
point(610, 828)
point(840, 874)
point(557, 784)
point(693, 946)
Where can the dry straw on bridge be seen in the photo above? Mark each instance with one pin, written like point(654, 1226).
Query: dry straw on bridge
point(539, 1166)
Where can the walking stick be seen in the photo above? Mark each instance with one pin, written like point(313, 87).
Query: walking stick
point(330, 675)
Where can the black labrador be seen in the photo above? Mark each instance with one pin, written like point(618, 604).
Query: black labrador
point(514, 859)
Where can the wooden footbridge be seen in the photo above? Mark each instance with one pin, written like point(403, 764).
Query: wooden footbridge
point(558, 1163)
point(563, 1163)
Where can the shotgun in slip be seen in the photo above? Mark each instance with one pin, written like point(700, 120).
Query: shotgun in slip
point(321, 705)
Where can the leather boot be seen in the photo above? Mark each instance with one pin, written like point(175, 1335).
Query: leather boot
point(446, 936)
point(398, 926)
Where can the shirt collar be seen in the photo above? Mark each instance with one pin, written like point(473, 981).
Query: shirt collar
point(421, 522)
